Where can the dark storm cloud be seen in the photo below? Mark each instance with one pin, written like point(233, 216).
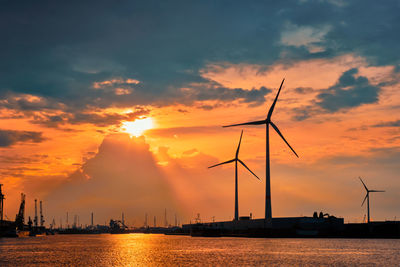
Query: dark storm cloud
point(349, 91)
point(304, 112)
point(28, 103)
point(388, 124)
point(59, 50)
point(368, 28)
point(10, 137)
point(101, 120)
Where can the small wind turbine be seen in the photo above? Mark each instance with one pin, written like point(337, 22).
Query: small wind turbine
point(267, 122)
point(236, 160)
point(367, 196)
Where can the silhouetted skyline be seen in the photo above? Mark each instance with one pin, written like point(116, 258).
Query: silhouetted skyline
point(102, 97)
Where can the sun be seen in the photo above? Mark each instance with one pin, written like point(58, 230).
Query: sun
point(137, 127)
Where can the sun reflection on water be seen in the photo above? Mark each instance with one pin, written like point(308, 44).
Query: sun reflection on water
point(161, 250)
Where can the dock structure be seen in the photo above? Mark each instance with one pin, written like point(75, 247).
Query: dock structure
point(317, 226)
point(277, 227)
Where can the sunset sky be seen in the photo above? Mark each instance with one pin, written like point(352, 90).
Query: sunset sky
point(117, 106)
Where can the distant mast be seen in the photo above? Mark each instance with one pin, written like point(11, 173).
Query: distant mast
point(1, 203)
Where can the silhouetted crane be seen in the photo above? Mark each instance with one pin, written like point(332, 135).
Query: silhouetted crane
point(20, 217)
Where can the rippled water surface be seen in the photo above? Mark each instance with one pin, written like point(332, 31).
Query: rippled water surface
point(156, 250)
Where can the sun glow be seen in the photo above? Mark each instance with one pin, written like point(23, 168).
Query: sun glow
point(137, 127)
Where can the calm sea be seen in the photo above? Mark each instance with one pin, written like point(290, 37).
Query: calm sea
point(161, 250)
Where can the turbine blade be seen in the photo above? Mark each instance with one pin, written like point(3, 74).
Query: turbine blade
point(226, 162)
point(364, 199)
point(246, 123)
point(237, 150)
point(248, 169)
point(376, 190)
point(366, 188)
point(271, 109)
point(279, 132)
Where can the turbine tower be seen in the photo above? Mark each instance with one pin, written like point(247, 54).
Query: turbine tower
point(236, 160)
point(267, 122)
point(367, 196)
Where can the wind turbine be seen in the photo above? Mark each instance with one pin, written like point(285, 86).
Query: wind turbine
point(267, 122)
point(236, 160)
point(367, 196)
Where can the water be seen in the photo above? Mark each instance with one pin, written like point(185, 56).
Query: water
point(161, 250)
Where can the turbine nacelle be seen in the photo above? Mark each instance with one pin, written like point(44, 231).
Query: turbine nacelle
point(268, 121)
point(368, 191)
